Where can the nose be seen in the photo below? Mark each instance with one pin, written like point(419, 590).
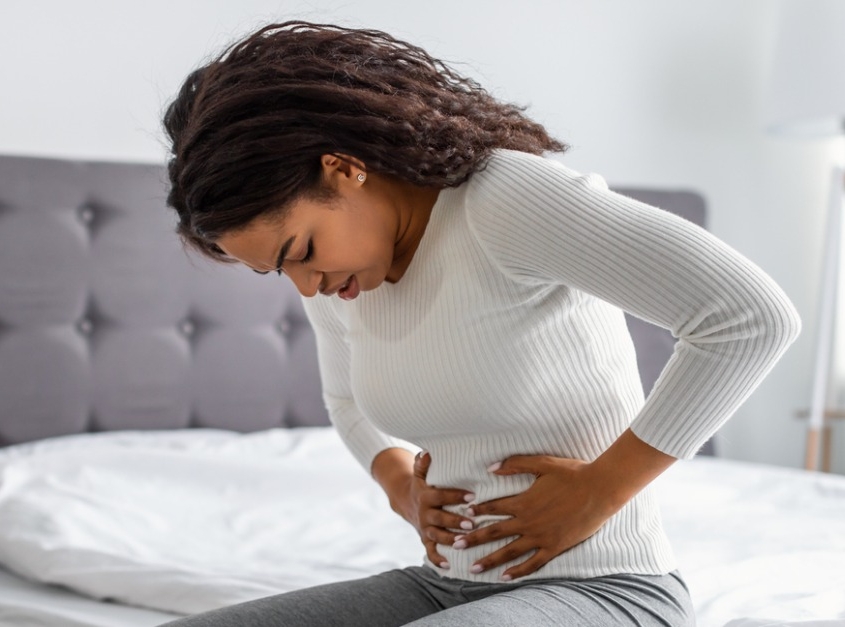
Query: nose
point(307, 281)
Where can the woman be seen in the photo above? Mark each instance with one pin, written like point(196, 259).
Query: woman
point(468, 298)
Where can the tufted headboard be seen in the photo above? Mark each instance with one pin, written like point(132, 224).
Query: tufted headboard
point(106, 323)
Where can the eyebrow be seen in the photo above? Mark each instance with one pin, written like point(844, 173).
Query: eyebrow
point(283, 252)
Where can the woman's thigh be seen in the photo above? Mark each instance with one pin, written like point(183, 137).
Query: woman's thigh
point(418, 597)
point(390, 599)
point(614, 601)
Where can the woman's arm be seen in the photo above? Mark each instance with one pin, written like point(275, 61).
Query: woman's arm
point(543, 224)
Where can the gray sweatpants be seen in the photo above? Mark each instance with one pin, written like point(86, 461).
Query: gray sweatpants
point(419, 597)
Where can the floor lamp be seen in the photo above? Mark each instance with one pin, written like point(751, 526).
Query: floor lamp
point(808, 100)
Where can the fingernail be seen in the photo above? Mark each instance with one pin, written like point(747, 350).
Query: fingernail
point(476, 568)
point(469, 497)
point(466, 524)
point(444, 565)
point(470, 512)
point(506, 577)
point(460, 544)
point(494, 467)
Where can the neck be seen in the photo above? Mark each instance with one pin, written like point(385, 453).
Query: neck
point(417, 203)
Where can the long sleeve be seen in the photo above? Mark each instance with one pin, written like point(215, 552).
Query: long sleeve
point(542, 223)
point(359, 435)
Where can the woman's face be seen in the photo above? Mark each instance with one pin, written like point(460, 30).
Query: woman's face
point(346, 245)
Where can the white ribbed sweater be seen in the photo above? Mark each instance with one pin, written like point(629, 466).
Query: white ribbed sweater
point(506, 336)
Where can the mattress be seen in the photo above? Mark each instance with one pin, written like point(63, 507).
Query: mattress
point(134, 528)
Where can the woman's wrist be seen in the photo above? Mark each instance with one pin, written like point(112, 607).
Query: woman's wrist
point(628, 466)
point(393, 470)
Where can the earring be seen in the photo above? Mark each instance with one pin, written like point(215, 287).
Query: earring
point(362, 177)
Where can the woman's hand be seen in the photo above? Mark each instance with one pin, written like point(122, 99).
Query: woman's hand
point(403, 478)
point(567, 503)
point(563, 507)
point(432, 522)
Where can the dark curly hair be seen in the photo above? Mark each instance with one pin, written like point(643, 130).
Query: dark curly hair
point(248, 129)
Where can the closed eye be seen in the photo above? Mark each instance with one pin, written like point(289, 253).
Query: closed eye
point(308, 253)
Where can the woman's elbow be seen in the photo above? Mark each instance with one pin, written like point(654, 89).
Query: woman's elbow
point(779, 320)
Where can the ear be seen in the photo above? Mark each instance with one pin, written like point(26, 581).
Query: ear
point(339, 169)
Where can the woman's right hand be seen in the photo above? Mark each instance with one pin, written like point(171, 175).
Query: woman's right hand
point(433, 522)
point(403, 478)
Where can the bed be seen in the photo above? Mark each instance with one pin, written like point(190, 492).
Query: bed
point(166, 450)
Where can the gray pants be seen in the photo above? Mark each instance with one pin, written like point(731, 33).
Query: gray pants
point(419, 597)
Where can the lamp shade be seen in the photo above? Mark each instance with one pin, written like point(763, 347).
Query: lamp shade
point(807, 95)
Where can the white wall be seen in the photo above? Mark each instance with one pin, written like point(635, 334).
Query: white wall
point(654, 92)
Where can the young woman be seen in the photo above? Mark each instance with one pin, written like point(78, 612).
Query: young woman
point(468, 295)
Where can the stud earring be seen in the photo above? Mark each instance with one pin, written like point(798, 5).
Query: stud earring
point(362, 177)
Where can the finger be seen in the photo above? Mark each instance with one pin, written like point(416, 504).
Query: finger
point(422, 461)
point(532, 564)
point(438, 497)
point(446, 520)
point(523, 464)
point(433, 556)
point(505, 506)
point(439, 535)
point(511, 551)
point(496, 531)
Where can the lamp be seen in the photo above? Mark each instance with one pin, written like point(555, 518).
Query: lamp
point(808, 100)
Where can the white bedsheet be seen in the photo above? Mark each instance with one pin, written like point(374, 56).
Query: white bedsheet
point(757, 541)
point(187, 521)
point(25, 603)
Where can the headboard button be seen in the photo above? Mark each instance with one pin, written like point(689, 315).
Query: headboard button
point(283, 326)
point(86, 214)
point(85, 326)
point(187, 328)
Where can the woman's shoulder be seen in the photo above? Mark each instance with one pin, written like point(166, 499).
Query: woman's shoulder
point(515, 169)
point(511, 179)
point(503, 161)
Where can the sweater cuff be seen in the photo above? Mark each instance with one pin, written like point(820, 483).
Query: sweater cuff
point(680, 445)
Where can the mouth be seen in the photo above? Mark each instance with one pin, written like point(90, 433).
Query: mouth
point(339, 289)
point(343, 286)
point(350, 289)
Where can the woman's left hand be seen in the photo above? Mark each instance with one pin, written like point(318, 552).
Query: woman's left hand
point(567, 503)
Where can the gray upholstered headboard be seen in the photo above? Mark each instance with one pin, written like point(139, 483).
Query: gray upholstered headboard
point(106, 323)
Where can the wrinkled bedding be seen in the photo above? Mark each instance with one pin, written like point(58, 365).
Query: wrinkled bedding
point(184, 521)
